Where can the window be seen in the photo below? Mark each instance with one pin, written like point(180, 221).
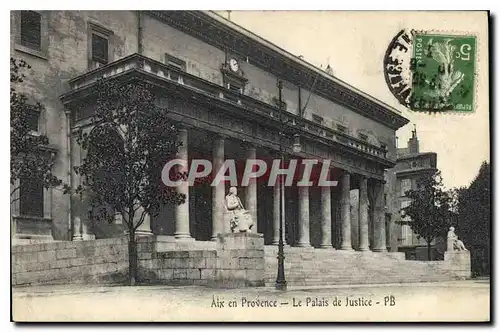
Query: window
point(31, 32)
point(363, 137)
point(31, 198)
point(405, 186)
point(317, 119)
point(100, 50)
point(32, 119)
point(31, 29)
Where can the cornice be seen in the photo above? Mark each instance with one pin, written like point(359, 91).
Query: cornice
point(204, 27)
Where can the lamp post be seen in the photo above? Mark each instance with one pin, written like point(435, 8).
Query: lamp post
point(280, 279)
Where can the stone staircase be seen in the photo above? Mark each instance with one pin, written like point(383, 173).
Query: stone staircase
point(309, 266)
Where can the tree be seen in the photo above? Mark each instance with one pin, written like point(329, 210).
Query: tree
point(474, 217)
point(431, 210)
point(29, 157)
point(124, 174)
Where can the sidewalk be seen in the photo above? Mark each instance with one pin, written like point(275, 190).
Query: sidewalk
point(114, 288)
point(443, 301)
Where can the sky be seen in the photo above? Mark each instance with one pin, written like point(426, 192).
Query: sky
point(354, 44)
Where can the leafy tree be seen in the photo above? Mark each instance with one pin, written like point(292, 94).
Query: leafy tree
point(474, 217)
point(130, 141)
point(29, 157)
point(431, 210)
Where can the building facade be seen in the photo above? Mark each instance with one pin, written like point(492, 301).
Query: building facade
point(219, 83)
point(411, 166)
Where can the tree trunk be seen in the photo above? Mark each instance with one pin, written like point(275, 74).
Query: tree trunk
point(132, 257)
point(429, 250)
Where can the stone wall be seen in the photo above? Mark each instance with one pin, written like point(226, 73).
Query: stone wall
point(238, 260)
point(95, 261)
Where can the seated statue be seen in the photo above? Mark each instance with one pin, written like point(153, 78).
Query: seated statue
point(454, 244)
point(241, 219)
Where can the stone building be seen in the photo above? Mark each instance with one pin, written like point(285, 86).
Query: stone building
point(219, 81)
point(411, 165)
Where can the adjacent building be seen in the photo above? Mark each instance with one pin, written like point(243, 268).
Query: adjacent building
point(411, 166)
point(220, 83)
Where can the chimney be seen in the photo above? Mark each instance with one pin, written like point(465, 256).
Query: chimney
point(413, 141)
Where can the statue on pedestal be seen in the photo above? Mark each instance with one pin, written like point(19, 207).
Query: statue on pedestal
point(454, 244)
point(241, 219)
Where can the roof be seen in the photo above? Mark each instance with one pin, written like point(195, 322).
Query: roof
point(295, 58)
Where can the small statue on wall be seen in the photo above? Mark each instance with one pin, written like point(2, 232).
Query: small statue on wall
point(454, 244)
point(241, 219)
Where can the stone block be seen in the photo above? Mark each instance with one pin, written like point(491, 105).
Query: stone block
point(46, 256)
point(85, 251)
point(144, 255)
point(60, 263)
point(78, 261)
point(66, 253)
point(225, 274)
point(182, 254)
point(36, 266)
point(211, 263)
point(195, 254)
point(240, 241)
point(255, 275)
point(166, 274)
point(25, 257)
point(193, 274)
point(208, 274)
point(210, 253)
point(179, 274)
point(251, 263)
point(228, 263)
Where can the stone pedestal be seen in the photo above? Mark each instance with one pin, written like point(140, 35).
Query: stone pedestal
point(458, 263)
point(240, 260)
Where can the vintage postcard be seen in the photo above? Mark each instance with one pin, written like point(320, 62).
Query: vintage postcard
point(237, 166)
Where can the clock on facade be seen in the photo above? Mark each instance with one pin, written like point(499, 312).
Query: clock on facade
point(233, 64)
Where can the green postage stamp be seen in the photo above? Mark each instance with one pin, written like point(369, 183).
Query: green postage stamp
point(443, 72)
point(432, 72)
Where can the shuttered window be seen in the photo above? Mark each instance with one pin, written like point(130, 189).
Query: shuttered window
point(31, 29)
point(99, 49)
point(31, 198)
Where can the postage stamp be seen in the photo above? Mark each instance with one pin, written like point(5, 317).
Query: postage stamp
point(432, 72)
point(443, 72)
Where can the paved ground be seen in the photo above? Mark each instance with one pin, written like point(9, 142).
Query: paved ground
point(444, 301)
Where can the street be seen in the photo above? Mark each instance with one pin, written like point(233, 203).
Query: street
point(444, 301)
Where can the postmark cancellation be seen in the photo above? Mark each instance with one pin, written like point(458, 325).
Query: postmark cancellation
point(432, 71)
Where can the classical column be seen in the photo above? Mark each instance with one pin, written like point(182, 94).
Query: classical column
point(251, 190)
point(363, 215)
point(276, 212)
point(218, 200)
point(345, 211)
point(303, 217)
point(182, 210)
point(326, 218)
point(76, 199)
point(378, 218)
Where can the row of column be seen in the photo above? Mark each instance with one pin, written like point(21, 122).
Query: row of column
point(181, 214)
point(182, 231)
point(377, 194)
